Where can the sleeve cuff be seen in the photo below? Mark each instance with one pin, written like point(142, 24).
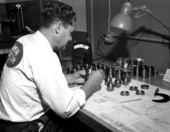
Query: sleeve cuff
point(81, 97)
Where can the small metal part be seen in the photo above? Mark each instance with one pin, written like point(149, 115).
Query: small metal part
point(140, 92)
point(125, 81)
point(90, 70)
point(137, 92)
point(95, 66)
point(133, 88)
point(118, 82)
point(110, 86)
point(149, 71)
point(124, 93)
point(137, 71)
point(70, 70)
point(126, 78)
point(110, 72)
point(107, 80)
point(86, 74)
point(144, 86)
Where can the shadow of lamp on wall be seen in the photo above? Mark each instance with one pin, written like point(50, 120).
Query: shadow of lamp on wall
point(18, 21)
point(123, 21)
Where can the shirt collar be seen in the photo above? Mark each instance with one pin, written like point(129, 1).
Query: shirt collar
point(43, 40)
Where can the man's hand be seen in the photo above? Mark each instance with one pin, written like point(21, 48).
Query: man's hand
point(93, 82)
point(76, 78)
point(79, 77)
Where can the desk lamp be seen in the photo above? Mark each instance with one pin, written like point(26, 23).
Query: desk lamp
point(123, 21)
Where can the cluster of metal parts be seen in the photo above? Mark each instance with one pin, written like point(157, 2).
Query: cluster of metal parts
point(122, 72)
point(122, 77)
point(136, 90)
point(137, 67)
point(87, 67)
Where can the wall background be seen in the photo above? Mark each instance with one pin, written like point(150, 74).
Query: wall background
point(80, 9)
point(153, 53)
point(92, 22)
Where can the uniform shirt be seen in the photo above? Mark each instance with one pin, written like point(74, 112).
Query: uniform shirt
point(32, 82)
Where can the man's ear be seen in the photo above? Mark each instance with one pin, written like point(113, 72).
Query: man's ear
point(58, 27)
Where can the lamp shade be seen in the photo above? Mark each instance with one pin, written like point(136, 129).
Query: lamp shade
point(123, 19)
point(12, 1)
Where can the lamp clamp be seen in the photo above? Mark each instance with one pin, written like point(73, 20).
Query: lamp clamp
point(109, 38)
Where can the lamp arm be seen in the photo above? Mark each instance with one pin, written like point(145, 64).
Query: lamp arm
point(141, 39)
point(158, 20)
point(145, 9)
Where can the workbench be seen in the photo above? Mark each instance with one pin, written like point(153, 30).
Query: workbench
point(109, 111)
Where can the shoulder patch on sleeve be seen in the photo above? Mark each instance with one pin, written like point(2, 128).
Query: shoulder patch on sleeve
point(15, 55)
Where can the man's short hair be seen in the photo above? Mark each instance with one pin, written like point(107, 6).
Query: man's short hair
point(57, 11)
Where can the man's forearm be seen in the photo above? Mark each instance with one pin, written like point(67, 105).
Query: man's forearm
point(89, 89)
point(70, 79)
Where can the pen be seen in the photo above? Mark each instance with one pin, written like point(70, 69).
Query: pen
point(130, 100)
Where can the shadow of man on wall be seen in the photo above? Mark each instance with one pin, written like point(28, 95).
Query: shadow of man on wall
point(120, 49)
